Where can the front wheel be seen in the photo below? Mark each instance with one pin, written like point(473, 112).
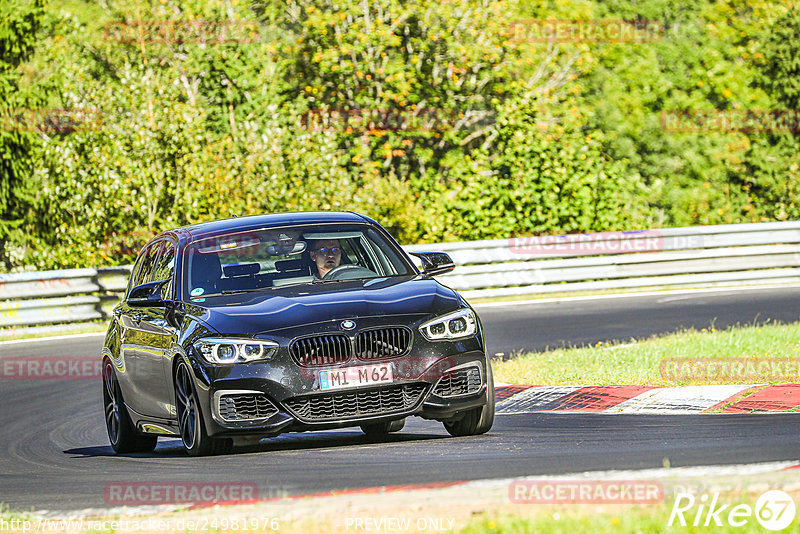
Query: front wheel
point(121, 433)
point(195, 439)
point(478, 420)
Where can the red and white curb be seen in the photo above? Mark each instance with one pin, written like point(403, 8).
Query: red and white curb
point(517, 399)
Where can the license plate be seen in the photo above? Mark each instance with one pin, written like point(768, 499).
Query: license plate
point(353, 377)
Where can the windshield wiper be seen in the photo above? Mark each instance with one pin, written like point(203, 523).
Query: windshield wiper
point(234, 291)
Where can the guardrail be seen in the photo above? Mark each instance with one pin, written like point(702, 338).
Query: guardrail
point(85, 295)
point(700, 256)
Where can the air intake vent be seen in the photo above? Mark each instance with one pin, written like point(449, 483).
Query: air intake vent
point(320, 350)
point(356, 404)
point(461, 382)
point(383, 343)
point(245, 407)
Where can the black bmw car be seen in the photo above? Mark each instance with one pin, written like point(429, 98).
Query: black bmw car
point(246, 328)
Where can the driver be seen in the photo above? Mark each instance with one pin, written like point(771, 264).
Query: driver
point(326, 255)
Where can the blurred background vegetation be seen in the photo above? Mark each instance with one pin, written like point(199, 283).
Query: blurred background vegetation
point(443, 119)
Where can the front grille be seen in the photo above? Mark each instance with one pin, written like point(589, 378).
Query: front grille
point(461, 382)
point(245, 407)
point(383, 343)
point(356, 404)
point(320, 350)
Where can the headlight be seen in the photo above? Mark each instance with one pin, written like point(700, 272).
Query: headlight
point(454, 325)
point(223, 350)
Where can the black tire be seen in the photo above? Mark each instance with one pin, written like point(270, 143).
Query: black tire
point(478, 420)
point(193, 433)
point(381, 429)
point(121, 433)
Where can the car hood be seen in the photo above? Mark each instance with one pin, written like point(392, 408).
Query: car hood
point(280, 308)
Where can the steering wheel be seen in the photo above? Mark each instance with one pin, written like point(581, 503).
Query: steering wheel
point(348, 271)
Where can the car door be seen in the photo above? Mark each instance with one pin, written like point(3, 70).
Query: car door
point(148, 337)
point(130, 336)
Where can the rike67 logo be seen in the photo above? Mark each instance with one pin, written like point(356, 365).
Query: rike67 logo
point(774, 510)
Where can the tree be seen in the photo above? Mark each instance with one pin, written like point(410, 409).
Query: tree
point(780, 67)
point(772, 166)
point(19, 24)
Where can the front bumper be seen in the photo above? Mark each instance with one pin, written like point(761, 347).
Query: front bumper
point(288, 398)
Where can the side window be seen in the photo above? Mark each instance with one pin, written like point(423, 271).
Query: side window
point(356, 252)
point(137, 266)
point(146, 264)
point(165, 267)
point(383, 253)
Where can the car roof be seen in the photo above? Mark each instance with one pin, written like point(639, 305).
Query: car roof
point(253, 222)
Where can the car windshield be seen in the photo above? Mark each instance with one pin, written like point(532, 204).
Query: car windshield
point(266, 259)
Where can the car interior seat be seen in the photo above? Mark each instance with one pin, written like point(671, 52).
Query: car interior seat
point(206, 271)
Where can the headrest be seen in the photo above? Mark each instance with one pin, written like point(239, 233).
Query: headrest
point(241, 269)
point(204, 267)
point(283, 266)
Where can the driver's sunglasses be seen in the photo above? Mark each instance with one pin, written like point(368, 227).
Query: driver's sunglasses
point(326, 251)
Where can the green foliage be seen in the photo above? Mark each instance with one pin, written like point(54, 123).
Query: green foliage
point(780, 66)
point(537, 178)
point(773, 158)
point(442, 119)
point(698, 63)
point(19, 25)
point(405, 87)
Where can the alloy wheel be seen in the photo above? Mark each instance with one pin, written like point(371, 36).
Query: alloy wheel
point(111, 404)
point(187, 409)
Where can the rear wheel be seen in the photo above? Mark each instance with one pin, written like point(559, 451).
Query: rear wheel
point(195, 439)
point(121, 433)
point(478, 420)
point(381, 429)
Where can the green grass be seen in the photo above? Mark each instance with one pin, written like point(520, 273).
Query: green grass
point(639, 520)
point(12, 518)
point(639, 362)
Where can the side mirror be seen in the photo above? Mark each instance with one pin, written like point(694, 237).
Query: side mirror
point(434, 263)
point(148, 294)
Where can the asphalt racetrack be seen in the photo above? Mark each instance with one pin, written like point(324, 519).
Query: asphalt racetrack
point(54, 452)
